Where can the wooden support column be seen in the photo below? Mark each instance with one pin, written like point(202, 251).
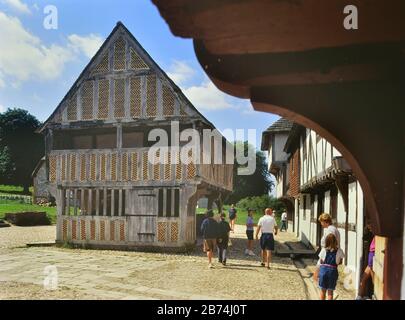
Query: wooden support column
point(82, 205)
point(67, 197)
point(112, 201)
point(97, 202)
point(105, 202)
point(120, 202)
point(75, 202)
point(90, 202)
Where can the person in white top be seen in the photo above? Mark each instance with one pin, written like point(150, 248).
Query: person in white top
point(267, 225)
point(326, 222)
point(284, 221)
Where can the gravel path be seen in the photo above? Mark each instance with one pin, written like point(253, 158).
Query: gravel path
point(95, 274)
point(13, 237)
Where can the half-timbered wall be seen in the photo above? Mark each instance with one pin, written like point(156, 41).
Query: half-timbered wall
point(109, 188)
point(121, 85)
point(316, 161)
point(316, 156)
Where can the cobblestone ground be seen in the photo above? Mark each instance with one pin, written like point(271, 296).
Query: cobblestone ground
point(94, 274)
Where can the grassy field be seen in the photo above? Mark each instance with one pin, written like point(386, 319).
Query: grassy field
point(241, 215)
point(12, 206)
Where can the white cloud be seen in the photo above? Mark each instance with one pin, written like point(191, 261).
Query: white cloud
point(24, 57)
point(204, 95)
point(180, 72)
point(2, 108)
point(207, 97)
point(86, 44)
point(17, 5)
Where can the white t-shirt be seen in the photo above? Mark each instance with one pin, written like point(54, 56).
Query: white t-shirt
point(339, 255)
point(284, 216)
point(267, 224)
point(327, 231)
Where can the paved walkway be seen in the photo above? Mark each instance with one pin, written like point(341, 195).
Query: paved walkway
point(95, 274)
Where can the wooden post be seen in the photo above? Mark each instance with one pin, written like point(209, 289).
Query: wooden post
point(67, 195)
point(90, 206)
point(105, 202)
point(112, 202)
point(75, 202)
point(97, 202)
point(82, 206)
point(120, 202)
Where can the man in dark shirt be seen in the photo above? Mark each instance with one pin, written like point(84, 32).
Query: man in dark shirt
point(209, 229)
point(223, 239)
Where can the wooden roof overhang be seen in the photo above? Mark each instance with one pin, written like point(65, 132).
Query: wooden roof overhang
point(296, 59)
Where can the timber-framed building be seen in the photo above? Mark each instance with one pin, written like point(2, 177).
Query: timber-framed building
point(109, 193)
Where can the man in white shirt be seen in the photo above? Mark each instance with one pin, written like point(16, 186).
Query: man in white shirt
point(267, 225)
point(283, 221)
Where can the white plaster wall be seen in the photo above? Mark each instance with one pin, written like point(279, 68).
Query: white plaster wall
point(279, 186)
point(305, 224)
point(296, 217)
point(326, 206)
point(279, 142)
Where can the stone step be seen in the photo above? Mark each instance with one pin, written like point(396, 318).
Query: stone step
point(41, 244)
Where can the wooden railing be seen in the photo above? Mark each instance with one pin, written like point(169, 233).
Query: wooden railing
point(130, 165)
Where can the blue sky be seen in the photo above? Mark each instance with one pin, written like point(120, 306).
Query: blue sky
point(38, 66)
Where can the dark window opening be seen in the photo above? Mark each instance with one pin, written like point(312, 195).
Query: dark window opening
point(176, 202)
point(160, 203)
point(85, 139)
point(132, 139)
point(165, 204)
point(168, 202)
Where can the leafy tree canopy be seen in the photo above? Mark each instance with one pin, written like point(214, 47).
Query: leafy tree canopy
point(256, 184)
point(20, 147)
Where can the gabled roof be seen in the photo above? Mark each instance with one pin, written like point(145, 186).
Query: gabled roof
point(281, 125)
point(107, 43)
point(37, 167)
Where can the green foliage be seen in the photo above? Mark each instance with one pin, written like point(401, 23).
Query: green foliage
point(252, 185)
point(261, 203)
point(20, 147)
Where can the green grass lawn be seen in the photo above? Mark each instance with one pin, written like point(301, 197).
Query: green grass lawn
point(12, 206)
point(241, 215)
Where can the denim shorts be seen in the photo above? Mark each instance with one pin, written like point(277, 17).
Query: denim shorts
point(328, 277)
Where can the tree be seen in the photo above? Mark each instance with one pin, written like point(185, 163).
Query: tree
point(20, 147)
point(260, 203)
point(256, 184)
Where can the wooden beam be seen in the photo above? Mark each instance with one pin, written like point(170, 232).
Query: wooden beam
point(256, 26)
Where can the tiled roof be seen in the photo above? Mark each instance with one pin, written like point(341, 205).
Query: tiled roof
point(281, 124)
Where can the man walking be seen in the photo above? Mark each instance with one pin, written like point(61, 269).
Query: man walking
point(267, 225)
point(223, 239)
point(232, 217)
point(283, 221)
point(209, 229)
